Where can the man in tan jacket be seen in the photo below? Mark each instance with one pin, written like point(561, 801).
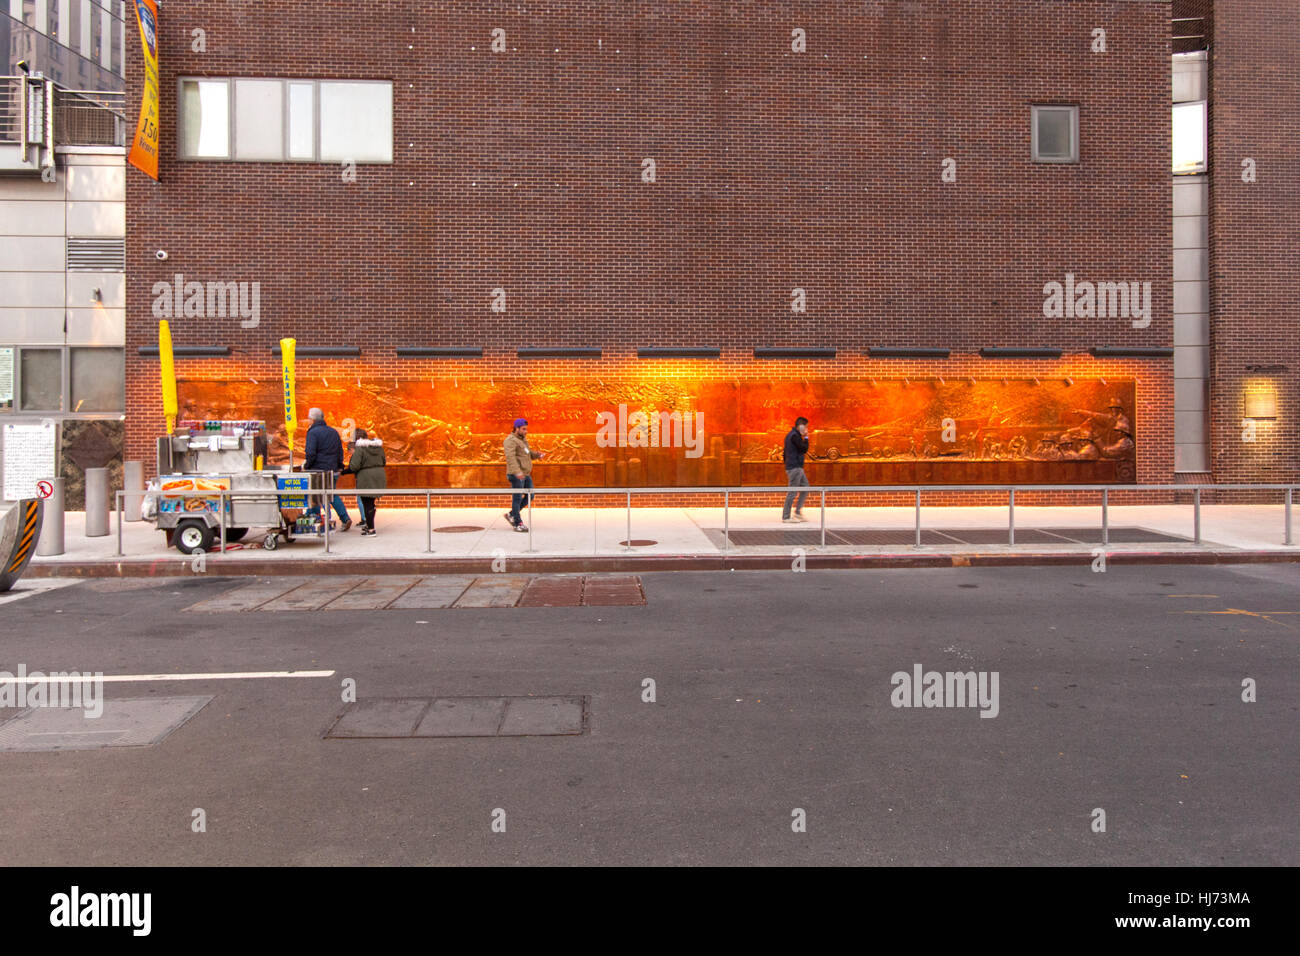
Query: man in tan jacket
point(519, 469)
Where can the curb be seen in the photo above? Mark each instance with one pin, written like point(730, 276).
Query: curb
point(225, 567)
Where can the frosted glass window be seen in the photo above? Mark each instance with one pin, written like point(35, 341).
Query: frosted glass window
point(356, 122)
point(97, 380)
point(42, 377)
point(1189, 138)
point(259, 119)
point(302, 121)
point(1056, 134)
point(205, 119)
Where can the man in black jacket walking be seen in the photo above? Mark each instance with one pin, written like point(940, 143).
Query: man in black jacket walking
point(325, 453)
point(796, 446)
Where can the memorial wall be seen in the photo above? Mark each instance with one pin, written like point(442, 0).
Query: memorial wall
point(716, 432)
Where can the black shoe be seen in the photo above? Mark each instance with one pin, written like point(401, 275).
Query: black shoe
point(366, 532)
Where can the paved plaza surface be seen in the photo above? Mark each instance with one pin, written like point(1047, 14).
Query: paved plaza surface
point(1118, 690)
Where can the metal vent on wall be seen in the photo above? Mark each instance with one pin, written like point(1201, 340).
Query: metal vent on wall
point(96, 255)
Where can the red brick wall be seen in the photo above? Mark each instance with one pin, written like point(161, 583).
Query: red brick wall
point(1255, 235)
point(776, 170)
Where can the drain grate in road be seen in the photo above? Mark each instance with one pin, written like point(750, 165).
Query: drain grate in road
point(552, 592)
point(127, 722)
point(405, 717)
point(613, 591)
point(637, 543)
point(459, 529)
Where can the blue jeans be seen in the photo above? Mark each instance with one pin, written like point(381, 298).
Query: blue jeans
point(795, 478)
point(340, 508)
point(519, 501)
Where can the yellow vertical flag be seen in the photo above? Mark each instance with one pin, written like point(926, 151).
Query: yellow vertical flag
point(144, 148)
point(287, 347)
point(167, 368)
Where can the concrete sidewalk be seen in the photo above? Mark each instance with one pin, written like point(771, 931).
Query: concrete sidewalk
point(594, 539)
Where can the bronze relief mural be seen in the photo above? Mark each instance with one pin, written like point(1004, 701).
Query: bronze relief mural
point(449, 433)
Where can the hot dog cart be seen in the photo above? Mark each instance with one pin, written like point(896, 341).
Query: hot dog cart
point(224, 456)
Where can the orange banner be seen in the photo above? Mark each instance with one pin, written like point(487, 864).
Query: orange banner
point(144, 148)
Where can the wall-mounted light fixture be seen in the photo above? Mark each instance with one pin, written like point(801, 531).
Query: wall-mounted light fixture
point(1130, 351)
point(187, 351)
point(793, 352)
point(678, 351)
point(322, 351)
point(421, 351)
point(1020, 351)
point(1261, 401)
point(557, 352)
point(919, 351)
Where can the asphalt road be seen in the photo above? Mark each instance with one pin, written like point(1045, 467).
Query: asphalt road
point(1119, 690)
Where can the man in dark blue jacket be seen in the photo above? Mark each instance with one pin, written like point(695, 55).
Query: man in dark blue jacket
point(796, 447)
point(325, 453)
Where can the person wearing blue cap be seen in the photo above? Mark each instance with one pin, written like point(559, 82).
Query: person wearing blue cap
point(519, 469)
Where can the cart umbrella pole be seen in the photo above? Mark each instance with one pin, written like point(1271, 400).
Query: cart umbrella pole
point(287, 348)
point(167, 369)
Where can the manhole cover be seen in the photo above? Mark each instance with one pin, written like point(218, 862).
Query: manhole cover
point(130, 722)
point(463, 717)
point(637, 543)
point(458, 529)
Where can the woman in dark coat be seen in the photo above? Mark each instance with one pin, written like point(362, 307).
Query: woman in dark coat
point(368, 465)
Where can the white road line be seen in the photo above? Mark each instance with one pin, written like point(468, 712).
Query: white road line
point(132, 678)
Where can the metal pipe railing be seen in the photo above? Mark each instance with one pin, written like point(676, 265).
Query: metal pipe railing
point(429, 494)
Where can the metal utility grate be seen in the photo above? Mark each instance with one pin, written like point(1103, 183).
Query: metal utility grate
point(406, 717)
point(887, 537)
point(96, 255)
point(438, 591)
point(129, 722)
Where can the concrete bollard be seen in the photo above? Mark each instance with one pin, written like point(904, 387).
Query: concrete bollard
point(97, 502)
point(132, 482)
point(50, 542)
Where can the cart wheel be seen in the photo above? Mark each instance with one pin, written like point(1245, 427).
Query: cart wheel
point(235, 534)
point(193, 535)
point(270, 542)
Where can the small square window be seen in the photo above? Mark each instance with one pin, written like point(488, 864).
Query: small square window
point(1056, 134)
point(41, 372)
point(97, 380)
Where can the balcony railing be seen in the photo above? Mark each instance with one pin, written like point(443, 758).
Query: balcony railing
point(81, 118)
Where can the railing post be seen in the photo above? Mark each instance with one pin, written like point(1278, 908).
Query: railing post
point(530, 522)
point(628, 543)
point(1105, 516)
point(726, 519)
point(428, 519)
point(1196, 516)
point(918, 517)
point(1287, 540)
point(1011, 516)
point(326, 510)
point(118, 501)
point(221, 504)
point(823, 519)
